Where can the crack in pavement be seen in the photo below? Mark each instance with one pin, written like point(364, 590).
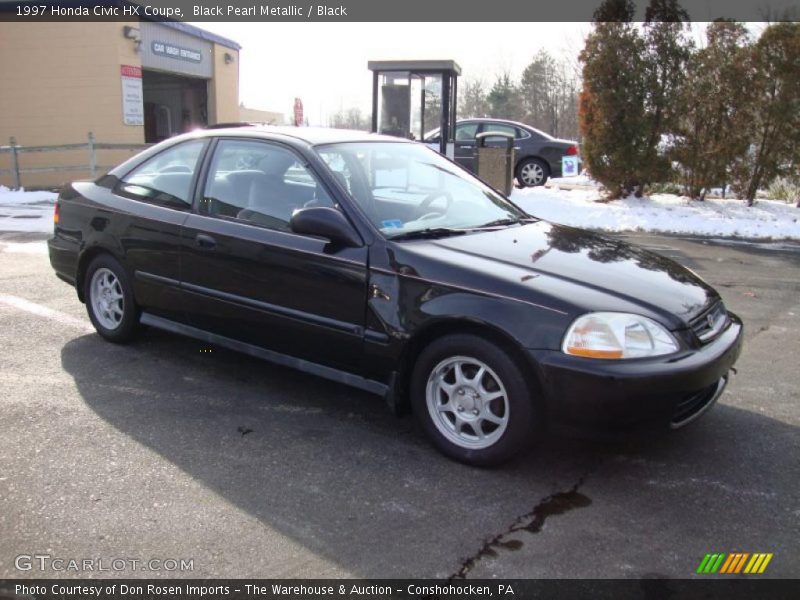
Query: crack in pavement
point(555, 504)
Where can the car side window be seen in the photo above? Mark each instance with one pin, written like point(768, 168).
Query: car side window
point(259, 183)
point(167, 177)
point(500, 128)
point(466, 132)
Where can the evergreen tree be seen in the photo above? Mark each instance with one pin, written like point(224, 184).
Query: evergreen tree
point(615, 11)
point(548, 93)
point(708, 134)
point(667, 50)
point(504, 98)
point(538, 92)
point(771, 112)
point(613, 119)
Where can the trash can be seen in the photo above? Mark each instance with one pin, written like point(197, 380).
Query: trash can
point(495, 164)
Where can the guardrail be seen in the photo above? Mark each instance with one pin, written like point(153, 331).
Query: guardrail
point(91, 146)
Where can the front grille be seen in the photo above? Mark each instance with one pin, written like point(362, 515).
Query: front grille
point(693, 404)
point(710, 323)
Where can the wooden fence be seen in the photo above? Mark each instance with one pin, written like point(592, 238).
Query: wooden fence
point(91, 146)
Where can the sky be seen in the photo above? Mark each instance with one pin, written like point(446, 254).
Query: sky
point(326, 65)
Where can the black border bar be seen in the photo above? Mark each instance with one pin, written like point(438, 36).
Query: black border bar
point(373, 10)
point(730, 588)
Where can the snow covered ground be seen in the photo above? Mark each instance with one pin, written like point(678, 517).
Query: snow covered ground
point(664, 213)
point(582, 179)
point(768, 219)
point(26, 211)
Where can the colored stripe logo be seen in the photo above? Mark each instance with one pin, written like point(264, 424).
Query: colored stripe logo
point(734, 563)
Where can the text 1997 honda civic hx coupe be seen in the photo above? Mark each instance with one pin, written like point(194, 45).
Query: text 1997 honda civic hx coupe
point(378, 263)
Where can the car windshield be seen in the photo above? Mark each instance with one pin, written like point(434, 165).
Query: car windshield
point(407, 188)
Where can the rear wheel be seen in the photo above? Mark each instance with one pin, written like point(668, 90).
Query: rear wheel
point(532, 172)
point(109, 300)
point(472, 400)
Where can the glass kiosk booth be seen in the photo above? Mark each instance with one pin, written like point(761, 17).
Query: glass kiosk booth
point(414, 98)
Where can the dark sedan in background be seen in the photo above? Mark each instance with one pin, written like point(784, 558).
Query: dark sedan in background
point(378, 263)
point(537, 155)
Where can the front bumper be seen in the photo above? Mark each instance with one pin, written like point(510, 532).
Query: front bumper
point(653, 393)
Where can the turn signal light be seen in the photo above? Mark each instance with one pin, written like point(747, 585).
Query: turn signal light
point(57, 214)
point(592, 353)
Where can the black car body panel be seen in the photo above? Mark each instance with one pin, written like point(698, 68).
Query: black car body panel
point(278, 289)
point(359, 314)
point(554, 261)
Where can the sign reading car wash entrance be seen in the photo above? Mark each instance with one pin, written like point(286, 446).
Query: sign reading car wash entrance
point(177, 52)
point(132, 102)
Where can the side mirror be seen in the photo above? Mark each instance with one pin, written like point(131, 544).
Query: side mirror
point(329, 223)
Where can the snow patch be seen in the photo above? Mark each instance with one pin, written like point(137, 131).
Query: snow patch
point(26, 211)
point(662, 213)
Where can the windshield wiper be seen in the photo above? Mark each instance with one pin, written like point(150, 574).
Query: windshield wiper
point(498, 223)
point(429, 232)
point(506, 221)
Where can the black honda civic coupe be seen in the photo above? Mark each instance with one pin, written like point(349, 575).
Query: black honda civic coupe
point(379, 263)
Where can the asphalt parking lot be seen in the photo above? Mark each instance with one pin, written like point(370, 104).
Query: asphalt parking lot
point(166, 450)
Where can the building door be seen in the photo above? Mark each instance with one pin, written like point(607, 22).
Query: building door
point(173, 104)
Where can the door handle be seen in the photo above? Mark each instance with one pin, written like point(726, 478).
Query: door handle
point(205, 241)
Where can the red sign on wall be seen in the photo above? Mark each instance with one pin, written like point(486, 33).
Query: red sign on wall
point(132, 96)
point(298, 112)
point(130, 71)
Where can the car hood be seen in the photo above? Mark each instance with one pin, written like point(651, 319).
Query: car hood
point(582, 268)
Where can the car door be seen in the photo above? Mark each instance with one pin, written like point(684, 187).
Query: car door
point(152, 202)
point(247, 276)
point(465, 144)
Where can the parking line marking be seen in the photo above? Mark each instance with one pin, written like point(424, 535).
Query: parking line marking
point(42, 311)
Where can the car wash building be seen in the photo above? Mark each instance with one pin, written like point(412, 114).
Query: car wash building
point(125, 82)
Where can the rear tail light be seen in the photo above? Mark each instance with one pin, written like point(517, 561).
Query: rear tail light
point(572, 151)
point(57, 213)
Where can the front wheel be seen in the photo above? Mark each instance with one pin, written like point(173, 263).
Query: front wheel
point(109, 300)
point(472, 400)
point(532, 172)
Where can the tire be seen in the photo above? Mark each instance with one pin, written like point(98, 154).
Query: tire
point(478, 423)
point(532, 172)
point(109, 300)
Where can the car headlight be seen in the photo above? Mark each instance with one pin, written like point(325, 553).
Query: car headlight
point(612, 335)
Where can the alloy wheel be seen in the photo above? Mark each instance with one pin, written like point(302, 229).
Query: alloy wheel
point(106, 297)
point(467, 402)
point(531, 174)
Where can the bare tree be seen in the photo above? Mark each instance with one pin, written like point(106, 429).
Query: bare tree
point(349, 118)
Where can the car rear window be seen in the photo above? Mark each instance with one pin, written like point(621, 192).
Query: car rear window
point(167, 177)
